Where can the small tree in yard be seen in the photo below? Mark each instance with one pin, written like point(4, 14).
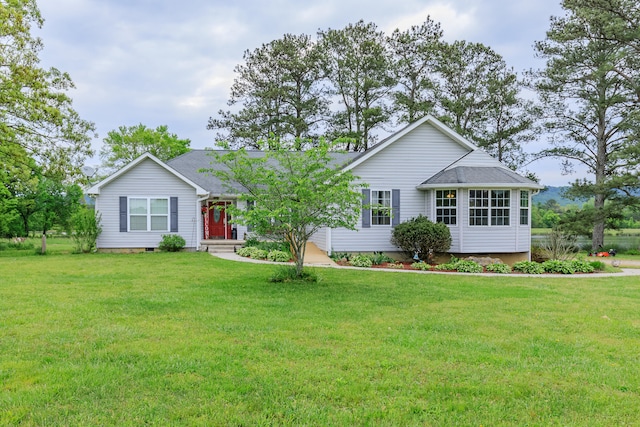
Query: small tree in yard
point(86, 228)
point(293, 193)
point(422, 236)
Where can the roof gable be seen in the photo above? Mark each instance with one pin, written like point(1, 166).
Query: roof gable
point(95, 189)
point(438, 125)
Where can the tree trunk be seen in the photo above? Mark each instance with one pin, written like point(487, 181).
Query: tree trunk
point(597, 239)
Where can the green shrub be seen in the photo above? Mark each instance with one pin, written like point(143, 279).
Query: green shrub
point(499, 268)
point(86, 229)
point(361, 260)
point(597, 265)
point(557, 266)
point(270, 245)
point(421, 235)
point(528, 267)
point(582, 266)
point(245, 251)
point(278, 256)
point(172, 243)
point(461, 266)
point(288, 274)
point(379, 258)
point(468, 267)
point(422, 266)
point(340, 256)
point(632, 252)
point(3, 246)
point(258, 253)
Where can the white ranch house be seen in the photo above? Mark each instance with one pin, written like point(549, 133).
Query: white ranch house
point(425, 168)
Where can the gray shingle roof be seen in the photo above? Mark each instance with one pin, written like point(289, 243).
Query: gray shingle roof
point(478, 175)
point(190, 163)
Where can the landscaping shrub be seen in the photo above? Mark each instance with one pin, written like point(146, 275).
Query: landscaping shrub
point(560, 244)
point(597, 265)
point(528, 267)
point(464, 266)
point(270, 245)
point(422, 266)
point(499, 268)
point(361, 260)
point(461, 266)
point(257, 253)
point(379, 258)
point(421, 235)
point(558, 266)
point(171, 243)
point(582, 266)
point(340, 256)
point(245, 251)
point(86, 229)
point(278, 256)
point(632, 252)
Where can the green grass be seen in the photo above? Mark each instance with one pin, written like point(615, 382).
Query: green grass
point(188, 339)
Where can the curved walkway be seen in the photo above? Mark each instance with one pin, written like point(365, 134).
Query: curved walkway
point(321, 262)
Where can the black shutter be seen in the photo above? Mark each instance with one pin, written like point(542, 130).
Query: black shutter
point(174, 214)
point(123, 214)
point(366, 208)
point(395, 207)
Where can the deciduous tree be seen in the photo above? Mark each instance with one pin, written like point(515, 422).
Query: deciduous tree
point(129, 142)
point(293, 193)
point(36, 114)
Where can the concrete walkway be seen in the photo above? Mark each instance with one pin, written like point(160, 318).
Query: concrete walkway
point(314, 257)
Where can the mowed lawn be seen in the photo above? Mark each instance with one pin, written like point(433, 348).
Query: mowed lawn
point(189, 339)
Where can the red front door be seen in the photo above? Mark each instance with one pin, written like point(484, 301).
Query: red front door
point(219, 224)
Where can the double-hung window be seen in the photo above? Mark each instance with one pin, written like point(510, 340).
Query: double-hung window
point(500, 207)
point(524, 207)
point(148, 214)
point(446, 209)
point(380, 207)
point(489, 207)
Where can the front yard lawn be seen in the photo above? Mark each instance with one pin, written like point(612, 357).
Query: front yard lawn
point(189, 339)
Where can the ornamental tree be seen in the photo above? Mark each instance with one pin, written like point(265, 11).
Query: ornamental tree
point(292, 193)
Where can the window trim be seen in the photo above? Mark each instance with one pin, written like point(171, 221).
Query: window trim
point(524, 208)
point(446, 196)
point(148, 214)
point(490, 204)
point(382, 208)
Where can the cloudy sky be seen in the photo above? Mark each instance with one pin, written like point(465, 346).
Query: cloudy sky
point(167, 62)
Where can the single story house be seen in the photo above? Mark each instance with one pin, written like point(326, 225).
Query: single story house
point(425, 168)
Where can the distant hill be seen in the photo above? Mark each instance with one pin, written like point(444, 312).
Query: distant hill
point(553, 193)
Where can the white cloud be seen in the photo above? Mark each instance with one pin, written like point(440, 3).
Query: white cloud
point(456, 23)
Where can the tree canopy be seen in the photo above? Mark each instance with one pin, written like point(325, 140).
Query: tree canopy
point(291, 194)
point(37, 119)
point(590, 90)
point(352, 83)
point(129, 142)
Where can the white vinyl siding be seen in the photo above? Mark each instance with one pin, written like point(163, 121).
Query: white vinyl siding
point(147, 180)
point(489, 239)
point(403, 165)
